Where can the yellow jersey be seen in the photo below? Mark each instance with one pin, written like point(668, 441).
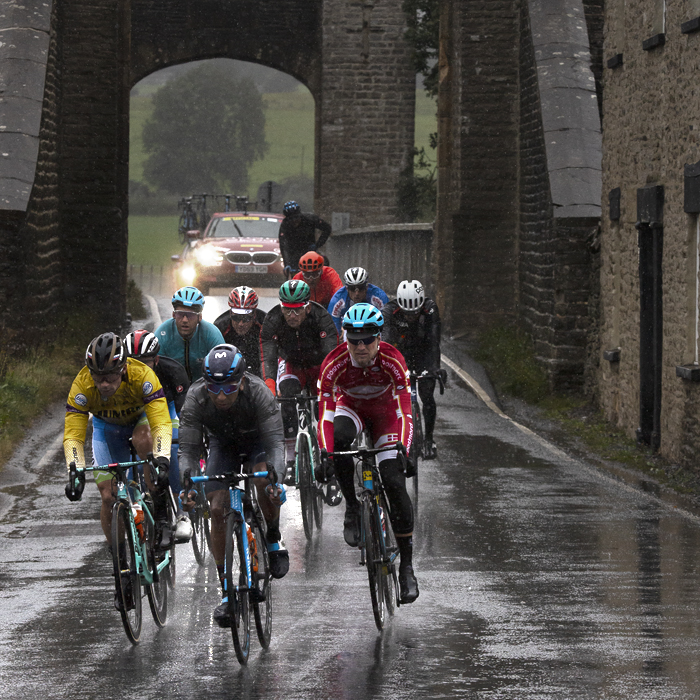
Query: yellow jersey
point(140, 390)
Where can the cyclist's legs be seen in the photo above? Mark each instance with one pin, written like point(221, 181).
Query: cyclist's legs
point(110, 444)
point(426, 390)
point(288, 384)
point(346, 425)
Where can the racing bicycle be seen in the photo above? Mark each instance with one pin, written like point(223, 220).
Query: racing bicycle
point(378, 548)
point(137, 560)
point(418, 433)
point(247, 577)
point(307, 457)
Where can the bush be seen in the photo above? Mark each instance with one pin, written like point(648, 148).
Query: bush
point(417, 189)
point(134, 301)
point(508, 354)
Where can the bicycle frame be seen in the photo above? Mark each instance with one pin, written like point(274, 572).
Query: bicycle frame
point(124, 493)
point(237, 508)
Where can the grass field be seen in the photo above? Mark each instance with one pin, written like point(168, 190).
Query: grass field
point(289, 131)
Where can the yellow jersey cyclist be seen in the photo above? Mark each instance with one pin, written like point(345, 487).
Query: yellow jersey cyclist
point(117, 391)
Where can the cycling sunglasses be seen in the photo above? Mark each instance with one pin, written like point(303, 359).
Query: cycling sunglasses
point(228, 389)
point(185, 314)
point(365, 340)
point(356, 287)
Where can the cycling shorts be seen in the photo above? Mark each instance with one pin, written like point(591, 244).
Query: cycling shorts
point(306, 376)
point(110, 444)
point(225, 457)
point(380, 417)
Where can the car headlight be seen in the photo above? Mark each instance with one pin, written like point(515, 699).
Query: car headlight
point(208, 256)
point(187, 274)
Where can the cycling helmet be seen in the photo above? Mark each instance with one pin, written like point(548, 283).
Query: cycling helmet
point(224, 365)
point(141, 344)
point(105, 354)
point(363, 319)
point(311, 262)
point(243, 300)
point(410, 295)
point(355, 276)
point(188, 296)
point(291, 208)
point(294, 293)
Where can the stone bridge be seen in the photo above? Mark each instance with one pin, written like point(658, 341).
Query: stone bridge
point(67, 68)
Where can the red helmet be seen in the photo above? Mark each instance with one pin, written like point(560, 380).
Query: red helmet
point(310, 262)
point(243, 300)
point(141, 343)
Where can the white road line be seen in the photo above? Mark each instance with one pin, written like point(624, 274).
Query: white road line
point(480, 393)
point(51, 452)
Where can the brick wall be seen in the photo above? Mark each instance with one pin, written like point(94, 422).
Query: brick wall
point(365, 117)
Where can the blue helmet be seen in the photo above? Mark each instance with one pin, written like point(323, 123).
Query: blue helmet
point(224, 365)
point(363, 318)
point(290, 208)
point(188, 296)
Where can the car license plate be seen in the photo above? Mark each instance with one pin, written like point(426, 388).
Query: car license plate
point(256, 269)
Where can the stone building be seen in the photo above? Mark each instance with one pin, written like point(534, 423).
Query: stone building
point(650, 293)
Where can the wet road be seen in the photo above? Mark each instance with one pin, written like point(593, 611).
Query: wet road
point(540, 577)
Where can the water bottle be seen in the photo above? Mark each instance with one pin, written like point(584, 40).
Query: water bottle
point(252, 548)
point(138, 519)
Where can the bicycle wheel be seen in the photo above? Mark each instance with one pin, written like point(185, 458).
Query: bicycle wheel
point(157, 591)
point(417, 446)
point(316, 489)
point(239, 609)
point(389, 577)
point(370, 525)
point(127, 581)
point(305, 485)
point(200, 528)
point(262, 610)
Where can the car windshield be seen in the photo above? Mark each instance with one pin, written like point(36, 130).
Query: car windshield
point(244, 226)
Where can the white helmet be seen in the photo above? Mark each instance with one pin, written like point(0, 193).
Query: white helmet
point(355, 276)
point(410, 295)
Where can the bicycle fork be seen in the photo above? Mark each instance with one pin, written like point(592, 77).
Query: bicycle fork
point(236, 512)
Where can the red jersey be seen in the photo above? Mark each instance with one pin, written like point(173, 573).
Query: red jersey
point(382, 388)
point(327, 286)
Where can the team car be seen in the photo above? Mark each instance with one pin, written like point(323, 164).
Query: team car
point(236, 248)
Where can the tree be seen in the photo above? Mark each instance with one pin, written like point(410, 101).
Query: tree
point(206, 128)
point(423, 34)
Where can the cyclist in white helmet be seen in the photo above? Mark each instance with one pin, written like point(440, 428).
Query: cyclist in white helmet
point(412, 324)
point(357, 289)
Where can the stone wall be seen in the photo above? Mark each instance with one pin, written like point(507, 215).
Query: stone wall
point(650, 119)
point(389, 253)
point(519, 175)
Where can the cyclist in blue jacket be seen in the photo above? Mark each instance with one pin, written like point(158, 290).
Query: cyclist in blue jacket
point(186, 337)
point(356, 290)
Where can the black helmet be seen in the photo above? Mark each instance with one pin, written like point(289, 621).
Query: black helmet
point(224, 365)
point(105, 354)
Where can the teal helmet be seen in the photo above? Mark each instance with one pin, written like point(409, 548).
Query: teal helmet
point(294, 293)
point(363, 319)
point(188, 296)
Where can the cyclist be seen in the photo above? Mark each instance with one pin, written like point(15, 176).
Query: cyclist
point(144, 347)
point(364, 382)
point(186, 337)
point(241, 326)
point(323, 280)
point(296, 336)
point(117, 390)
point(240, 417)
point(412, 324)
point(357, 289)
point(297, 234)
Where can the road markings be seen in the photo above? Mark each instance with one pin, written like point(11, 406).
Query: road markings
point(51, 452)
point(480, 393)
